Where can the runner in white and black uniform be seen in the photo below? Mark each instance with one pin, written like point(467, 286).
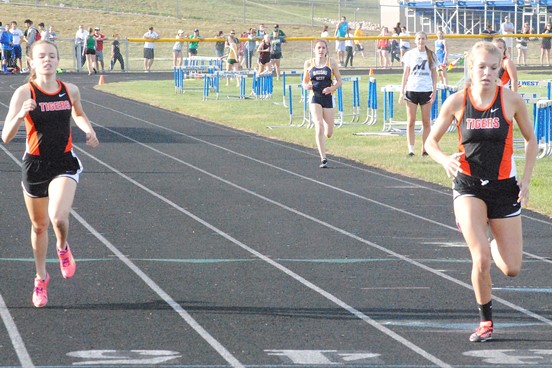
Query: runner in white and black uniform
point(418, 86)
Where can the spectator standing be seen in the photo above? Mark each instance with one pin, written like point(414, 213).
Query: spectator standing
point(280, 32)
point(523, 44)
point(99, 38)
point(546, 43)
point(30, 37)
point(488, 33)
point(358, 43)
point(43, 31)
point(80, 38)
point(192, 47)
point(441, 51)
point(507, 28)
point(116, 53)
point(6, 39)
point(384, 47)
point(325, 32)
point(17, 37)
point(52, 35)
point(250, 48)
point(149, 46)
point(177, 56)
point(395, 52)
point(232, 62)
point(220, 45)
point(341, 31)
point(276, 42)
point(404, 43)
point(90, 52)
point(261, 31)
point(349, 46)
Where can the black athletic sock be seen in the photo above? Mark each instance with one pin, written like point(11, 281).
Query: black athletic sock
point(485, 311)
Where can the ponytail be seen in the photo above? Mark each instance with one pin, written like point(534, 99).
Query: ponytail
point(431, 57)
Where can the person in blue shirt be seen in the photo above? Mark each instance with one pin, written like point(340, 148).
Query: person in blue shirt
point(341, 30)
point(6, 41)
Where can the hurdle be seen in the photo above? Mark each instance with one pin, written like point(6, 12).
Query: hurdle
point(284, 85)
point(211, 82)
point(262, 86)
point(356, 103)
point(372, 102)
point(201, 65)
point(304, 117)
point(543, 127)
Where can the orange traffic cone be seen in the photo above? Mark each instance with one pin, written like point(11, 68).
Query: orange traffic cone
point(371, 72)
point(101, 81)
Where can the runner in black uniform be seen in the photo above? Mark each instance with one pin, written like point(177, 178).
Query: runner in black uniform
point(487, 191)
point(322, 77)
point(50, 168)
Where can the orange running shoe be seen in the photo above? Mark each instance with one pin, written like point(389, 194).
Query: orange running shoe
point(40, 293)
point(66, 262)
point(483, 333)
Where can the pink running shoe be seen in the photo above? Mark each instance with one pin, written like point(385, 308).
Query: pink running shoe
point(40, 293)
point(483, 333)
point(66, 262)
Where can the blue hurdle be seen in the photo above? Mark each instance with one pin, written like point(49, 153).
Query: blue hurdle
point(371, 102)
point(262, 86)
point(211, 82)
point(543, 127)
point(284, 85)
point(355, 102)
point(304, 116)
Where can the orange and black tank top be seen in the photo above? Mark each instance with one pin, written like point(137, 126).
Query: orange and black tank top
point(485, 135)
point(49, 125)
point(503, 74)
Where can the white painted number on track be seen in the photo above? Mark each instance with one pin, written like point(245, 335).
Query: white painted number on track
point(127, 357)
point(325, 357)
point(517, 357)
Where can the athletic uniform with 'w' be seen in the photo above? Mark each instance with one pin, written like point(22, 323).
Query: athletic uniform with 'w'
point(49, 145)
point(488, 167)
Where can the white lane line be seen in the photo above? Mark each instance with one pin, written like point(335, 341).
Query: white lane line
point(344, 191)
point(257, 254)
point(217, 346)
point(15, 337)
point(280, 144)
point(11, 327)
point(325, 224)
point(17, 341)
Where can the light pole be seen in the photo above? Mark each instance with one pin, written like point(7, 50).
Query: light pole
point(357, 9)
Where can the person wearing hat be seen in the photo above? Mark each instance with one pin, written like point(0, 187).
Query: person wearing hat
point(177, 49)
point(148, 49)
point(280, 32)
point(192, 47)
point(507, 28)
point(99, 37)
point(276, 42)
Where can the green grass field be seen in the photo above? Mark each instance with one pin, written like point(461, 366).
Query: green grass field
point(381, 151)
